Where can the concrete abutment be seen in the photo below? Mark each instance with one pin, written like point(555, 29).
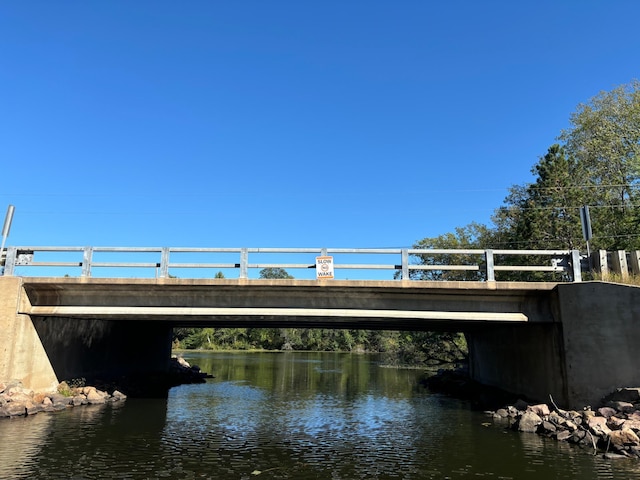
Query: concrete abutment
point(40, 352)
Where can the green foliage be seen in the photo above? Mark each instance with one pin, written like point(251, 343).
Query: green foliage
point(400, 348)
point(598, 165)
point(275, 273)
point(464, 238)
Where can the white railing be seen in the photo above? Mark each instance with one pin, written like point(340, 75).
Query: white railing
point(164, 262)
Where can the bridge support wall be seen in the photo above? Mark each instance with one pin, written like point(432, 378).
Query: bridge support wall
point(41, 352)
point(22, 355)
point(601, 335)
point(527, 360)
point(592, 348)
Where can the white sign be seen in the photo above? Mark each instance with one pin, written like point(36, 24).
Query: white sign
point(324, 267)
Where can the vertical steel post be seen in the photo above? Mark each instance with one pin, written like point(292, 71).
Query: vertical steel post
point(491, 273)
point(10, 261)
point(164, 263)
point(87, 258)
point(405, 263)
point(575, 264)
point(244, 263)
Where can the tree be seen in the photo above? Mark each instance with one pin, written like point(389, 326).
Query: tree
point(544, 214)
point(275, 273)
point(604, 139)
point(472, 236)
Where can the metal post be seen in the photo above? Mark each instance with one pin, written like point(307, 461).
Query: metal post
point(405, 263)
point(575, 264)
point(164, 263)
point(6, 227)
point(488, 258)
point(10, 261)
point(87, 258)
point(244, 263)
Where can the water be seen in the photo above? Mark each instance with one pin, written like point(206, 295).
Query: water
point(289, 416)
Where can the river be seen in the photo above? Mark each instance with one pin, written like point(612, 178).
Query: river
point(290, 416)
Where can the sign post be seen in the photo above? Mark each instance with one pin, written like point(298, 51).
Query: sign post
point(587, 234)
point(324, 268)
point(5, 231)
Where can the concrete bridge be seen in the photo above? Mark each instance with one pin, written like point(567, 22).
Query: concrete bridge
point(575, 341)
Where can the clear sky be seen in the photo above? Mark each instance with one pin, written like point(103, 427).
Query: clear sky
point(286, 123)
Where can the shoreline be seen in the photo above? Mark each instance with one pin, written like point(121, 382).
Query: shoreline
point(17, 401)
point(612, 429)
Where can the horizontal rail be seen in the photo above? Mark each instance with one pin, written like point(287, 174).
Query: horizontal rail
point(404, 261)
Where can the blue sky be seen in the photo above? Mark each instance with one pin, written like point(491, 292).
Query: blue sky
point(285, 123)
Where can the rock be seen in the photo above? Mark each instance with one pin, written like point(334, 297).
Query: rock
point(606, 412)
point(613, 456)
point(563, 435)
point(615, 423)
point(598, 426)
point(547, 427)
point(623, 438)
point(15, 409)
point(542, 409)
point(630, 395)
point(624, 407)
point(578, 436)
point(95, 397)
point(118, 396)
point(78, 400)
point(59, 401)
point(501, 413)
point(529, 422)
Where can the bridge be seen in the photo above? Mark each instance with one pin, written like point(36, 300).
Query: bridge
point(570, 339)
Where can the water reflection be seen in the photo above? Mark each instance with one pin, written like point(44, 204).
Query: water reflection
point(294, 416)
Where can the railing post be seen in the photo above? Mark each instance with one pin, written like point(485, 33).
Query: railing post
point(244, 263)
point(575, 265)
point(10, 261)
point(87, 258)
point(405, 263)
point(164, 263)
point(488, 258)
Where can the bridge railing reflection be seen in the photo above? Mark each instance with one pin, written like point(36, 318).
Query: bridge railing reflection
point(350, 263)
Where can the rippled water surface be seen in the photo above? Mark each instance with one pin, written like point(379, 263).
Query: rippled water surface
point(289, 415)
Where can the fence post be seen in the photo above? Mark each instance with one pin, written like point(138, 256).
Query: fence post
point(635, 262)
point(488, 258)
point(600, 262)
point(87, 258)
point(164, 262)
point(10, 261)
point(405, 263)
point(619, 263)
point(244, 263)
point(575, 265)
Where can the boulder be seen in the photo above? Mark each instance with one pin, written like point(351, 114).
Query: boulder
point(542, 409)
point(624, 407)
point(606, 412)
point(96, 397)
point(620, 439)
point(529, 422)
point(598, 426)
point(630, 395)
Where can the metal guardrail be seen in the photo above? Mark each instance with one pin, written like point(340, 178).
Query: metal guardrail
point(87, 259)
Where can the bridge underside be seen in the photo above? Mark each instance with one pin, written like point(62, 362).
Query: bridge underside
point(391, 305)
